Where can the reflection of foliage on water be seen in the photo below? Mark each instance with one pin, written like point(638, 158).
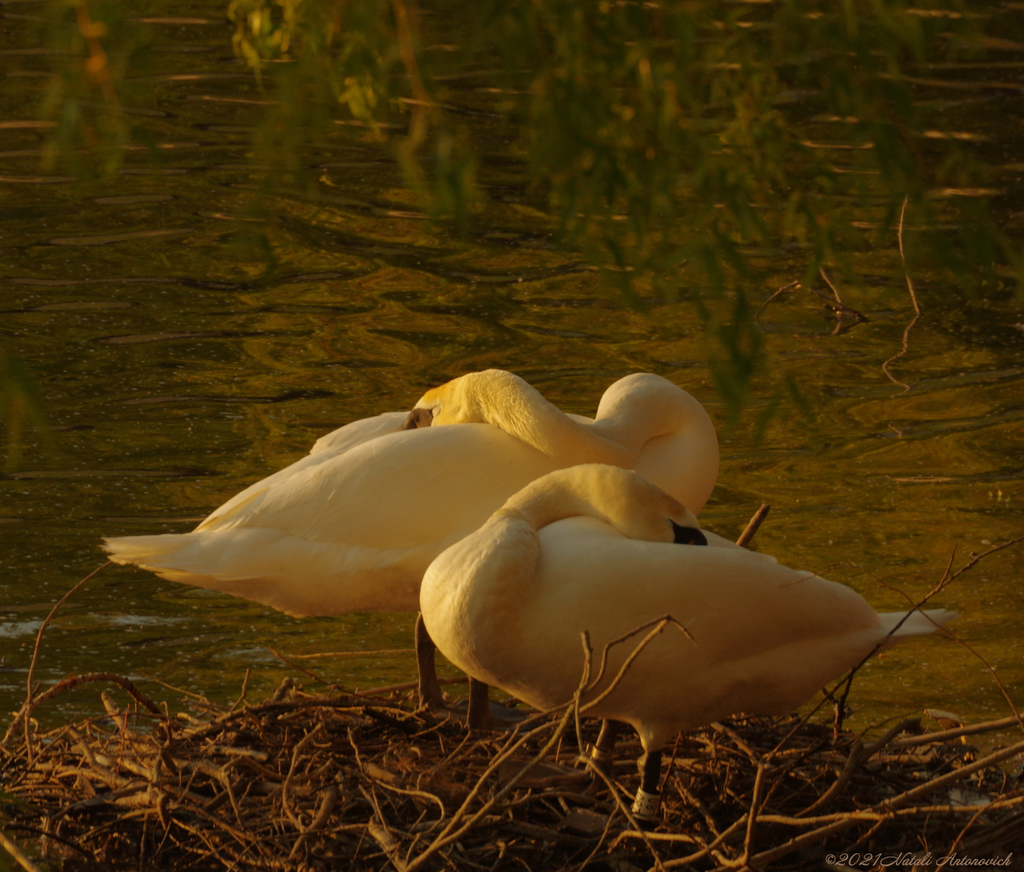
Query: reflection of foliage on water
point(93, 45)
point(677, 141)
point(19, 405)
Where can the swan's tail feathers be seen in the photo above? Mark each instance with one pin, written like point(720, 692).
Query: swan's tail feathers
point(181, 557)
point(143, 550)
point(288, 573)
point(918, 624)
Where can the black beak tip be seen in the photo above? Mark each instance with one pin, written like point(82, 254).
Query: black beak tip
point(688, 535)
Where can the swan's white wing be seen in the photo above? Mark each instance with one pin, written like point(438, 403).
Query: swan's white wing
point(352, 531)
point(341, 440)
point(335, 443)
point(760, 637)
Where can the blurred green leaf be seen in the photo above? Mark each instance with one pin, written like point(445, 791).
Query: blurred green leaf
point(20, 405)
point(671, 141)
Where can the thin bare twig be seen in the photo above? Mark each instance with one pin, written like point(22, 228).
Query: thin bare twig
point(913, 299)
point(26, 713)
point(16, 852)
point(946, 580)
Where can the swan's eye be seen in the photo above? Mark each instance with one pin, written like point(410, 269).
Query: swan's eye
point(418, 418)
point(687, 535)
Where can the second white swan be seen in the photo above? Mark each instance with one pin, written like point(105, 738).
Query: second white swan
point(593, 548)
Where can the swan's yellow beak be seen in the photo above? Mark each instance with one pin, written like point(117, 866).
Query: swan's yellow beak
point(418, 418)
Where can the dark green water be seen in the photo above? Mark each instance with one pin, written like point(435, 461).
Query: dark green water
point(173, 376)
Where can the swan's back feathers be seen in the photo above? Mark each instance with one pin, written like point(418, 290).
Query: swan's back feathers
point(759, 637)
point(341, 440)
point(244, 503)
point(314, 541)
point(372, 500)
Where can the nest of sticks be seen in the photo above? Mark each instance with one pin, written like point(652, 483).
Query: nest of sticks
point(358, 782)
point(364, 781)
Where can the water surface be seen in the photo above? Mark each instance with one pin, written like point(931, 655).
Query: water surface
point(176, 370)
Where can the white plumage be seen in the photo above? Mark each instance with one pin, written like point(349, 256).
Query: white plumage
point(354, 525)
point(591, 548)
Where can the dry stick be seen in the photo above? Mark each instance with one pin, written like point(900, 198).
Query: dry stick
point(753, 524)
point(12, 849)
point(296, 753)
point(913, 299)
point(577, 710)
point(781, 290)
point(597, 847)
point(993, 835)
point(351, 653)
point(841, 308)
point(660, 837)
point(988, 666)
point(743, 746)
point(392, 787)
point(450, 834)
point(957, 732)
point(381, 833)
point(27, 708)
point(447, 835)
point(707, 851)
point(409, 685)
point(859, 753)
point(832, 287)
point(945, 581)
point(588, 653)
point(963, 831)
point(869, 815)
point(661, 622)
point(625, 809)
point(73, 681)
point(695, 803)
point(889, 805)
point(975, 558)
point(794, 844)
point(755, 799)
point(308, 672)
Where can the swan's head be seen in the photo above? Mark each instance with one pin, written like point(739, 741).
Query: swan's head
point(466, 399)
point(620, 497)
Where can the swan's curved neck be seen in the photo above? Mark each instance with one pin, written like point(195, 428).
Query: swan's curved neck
point(644, 406)
point(509, 403)
point(541, 507)
point(619, 497)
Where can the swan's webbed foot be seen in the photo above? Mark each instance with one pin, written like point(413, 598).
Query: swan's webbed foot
point(479, 714)
point(430, 696)
point(647, 805)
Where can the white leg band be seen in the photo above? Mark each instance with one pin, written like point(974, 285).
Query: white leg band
point(646, 806)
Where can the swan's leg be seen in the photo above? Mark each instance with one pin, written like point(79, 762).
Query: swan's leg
point(429, 688)
point(479, 714)
point(602, 752)
point(647, 805)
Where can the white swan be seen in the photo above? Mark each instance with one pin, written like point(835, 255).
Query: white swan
point(354, 525)
point(591, 548)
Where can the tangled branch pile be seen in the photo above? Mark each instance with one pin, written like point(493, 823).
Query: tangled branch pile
point(305, 782)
